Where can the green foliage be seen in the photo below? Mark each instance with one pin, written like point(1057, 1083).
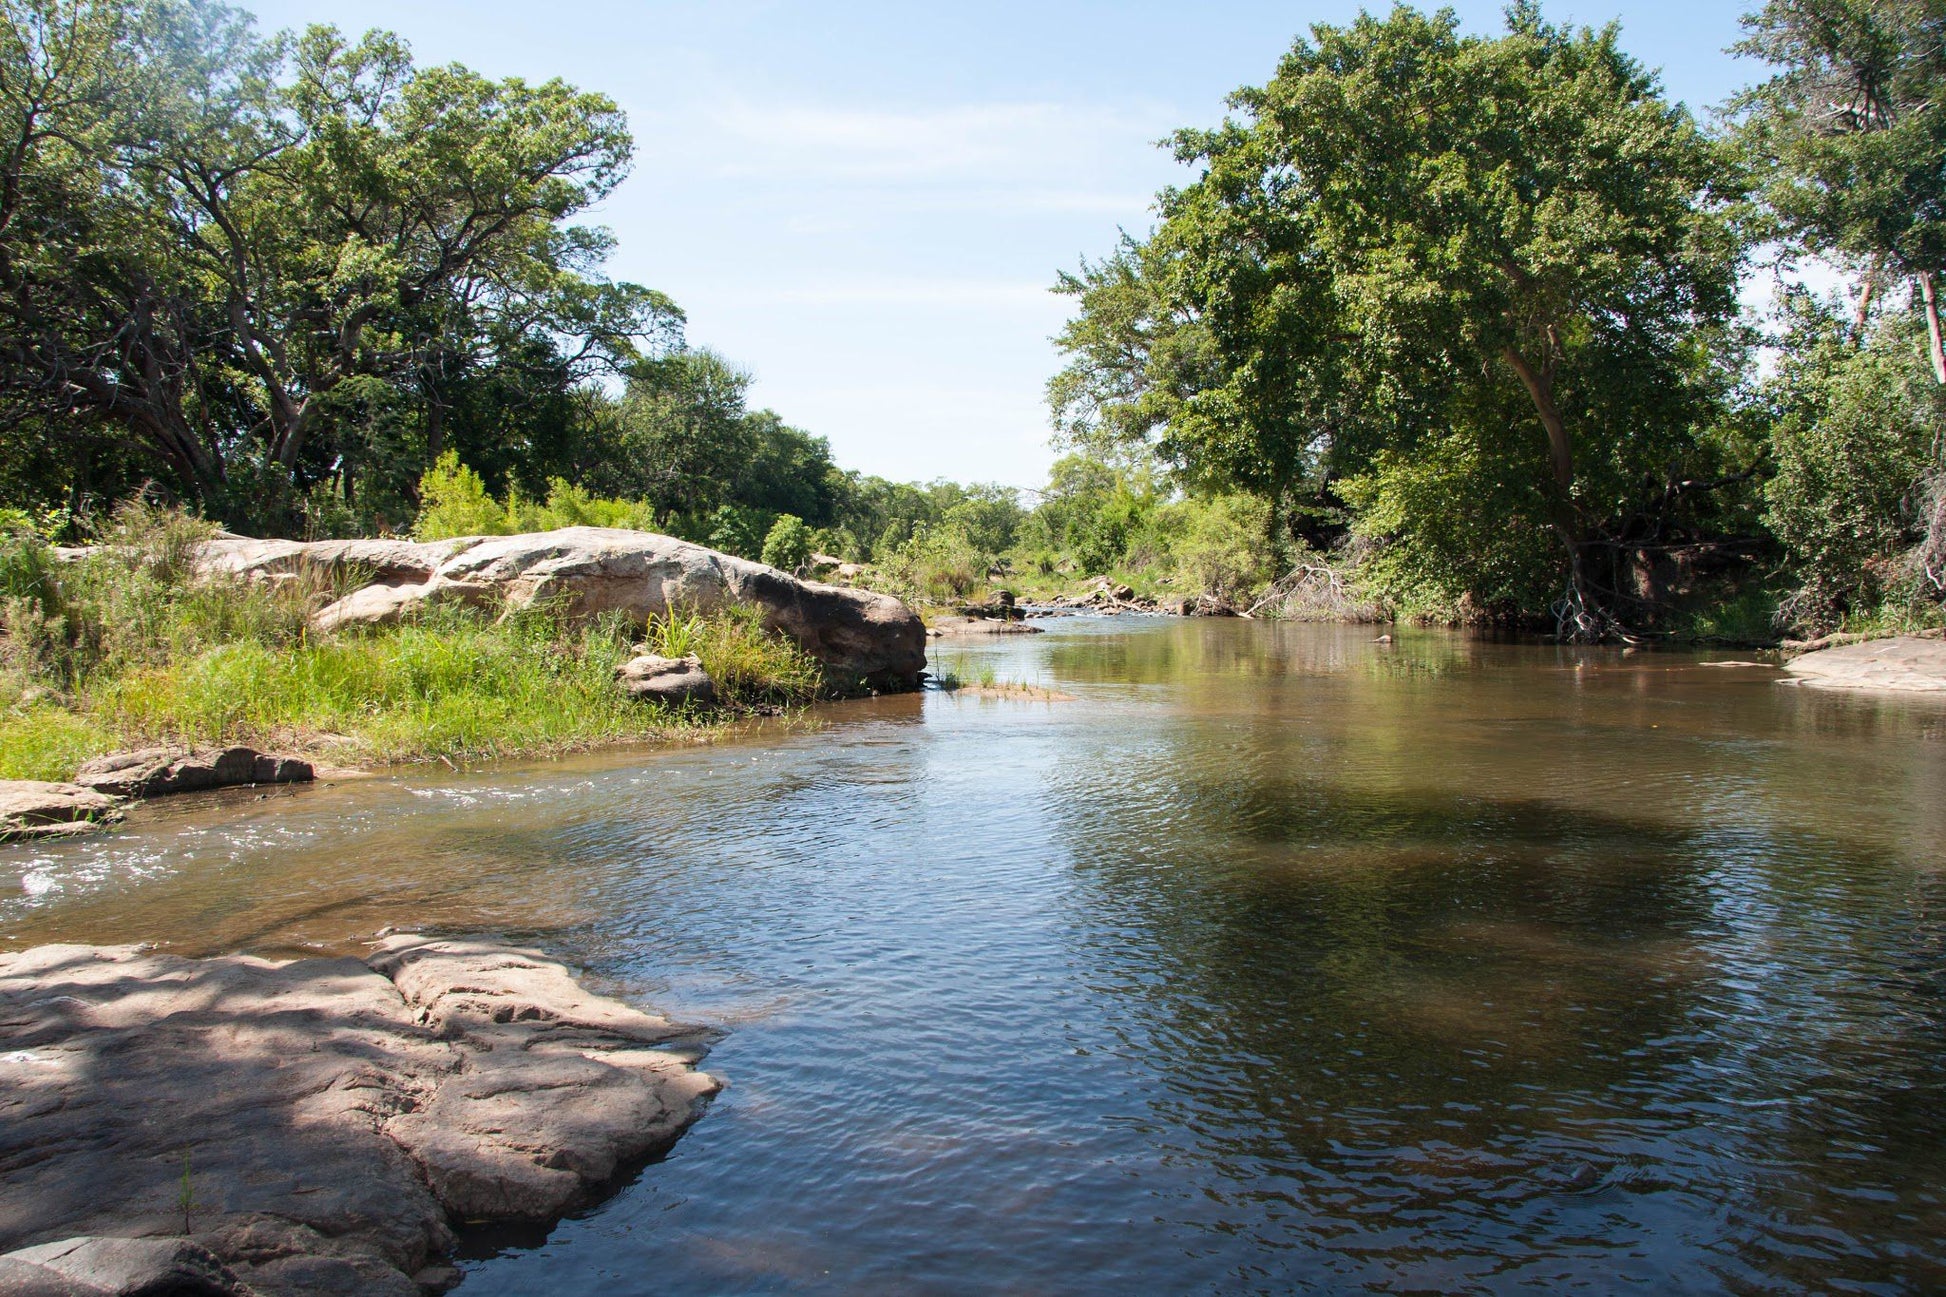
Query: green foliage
point(788, 546)
point(1415, 240)
point(736, 529)
point(453, 501)
point(1855, 437)
point(1219, 546)
point(1457, 530)
point(283, 260)
point(748, 663)
point(1848, 136)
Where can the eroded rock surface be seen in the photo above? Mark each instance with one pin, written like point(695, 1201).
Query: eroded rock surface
point(155, 772)
point(1907, 664)
point(334, 1116)
point(873, 637)
point(30, 808)
point(118, 1267)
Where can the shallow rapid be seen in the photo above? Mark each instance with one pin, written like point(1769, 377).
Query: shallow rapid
point(1270, 958)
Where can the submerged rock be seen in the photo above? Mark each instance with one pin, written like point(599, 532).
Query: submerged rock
point(1908, 663)
point(30, 808)
point(666, 680)
point(956, 627)
point(872, 637)
point(155, 772)
point(318, 1126)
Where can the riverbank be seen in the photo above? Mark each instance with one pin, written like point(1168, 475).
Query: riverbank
point(168, 634)
point(321, 1126)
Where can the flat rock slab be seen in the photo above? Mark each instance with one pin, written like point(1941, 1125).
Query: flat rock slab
point(156, 772)
point(1906, 664)
point(30, 808)
point(332, 1118)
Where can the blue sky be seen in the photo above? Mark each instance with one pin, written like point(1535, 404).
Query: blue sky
point(864, 204)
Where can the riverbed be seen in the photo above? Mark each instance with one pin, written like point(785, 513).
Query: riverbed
point(1261, 957)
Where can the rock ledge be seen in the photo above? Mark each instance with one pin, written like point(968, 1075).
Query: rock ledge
point(333, 1117)
point(1908, 663)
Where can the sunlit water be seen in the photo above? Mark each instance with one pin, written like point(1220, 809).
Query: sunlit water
point(1272, 958)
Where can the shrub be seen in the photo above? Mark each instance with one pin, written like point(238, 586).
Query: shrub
point(1852, 447)
point(453, 501)
point(1221, 544)
point(788, 546)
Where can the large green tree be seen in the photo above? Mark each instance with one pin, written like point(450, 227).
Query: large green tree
point(238, 251)
point(1408, 235)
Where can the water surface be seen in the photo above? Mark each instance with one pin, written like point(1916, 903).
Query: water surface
point(1275, 958)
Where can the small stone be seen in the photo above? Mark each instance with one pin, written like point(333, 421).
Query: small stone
point(666, 680)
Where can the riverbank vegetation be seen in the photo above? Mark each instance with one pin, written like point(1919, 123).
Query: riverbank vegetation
point(128, 646)
point(1444, 325)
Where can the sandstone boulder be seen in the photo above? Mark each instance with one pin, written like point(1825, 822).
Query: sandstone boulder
point(872, 637)
point(155, 772)
point(666, 680)
point(30, 808)
point(332, 1116)
point(1908, 664)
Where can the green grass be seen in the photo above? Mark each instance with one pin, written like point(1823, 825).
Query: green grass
point(126, 648)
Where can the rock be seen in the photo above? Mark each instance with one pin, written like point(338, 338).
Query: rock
point(1209, 605)
point(155, 772)
point(1908, 663)
point(332, 1115)
point(871, 637)
point(30, 808)
point(126, 1267)
point(955, 627)
point(666, 680)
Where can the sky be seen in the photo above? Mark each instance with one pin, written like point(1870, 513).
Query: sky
point(864, 205)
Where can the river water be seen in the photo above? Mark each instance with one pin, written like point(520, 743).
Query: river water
point(1269, 958)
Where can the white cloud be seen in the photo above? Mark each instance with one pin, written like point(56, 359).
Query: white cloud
point(1003, 141)
point(979, 294)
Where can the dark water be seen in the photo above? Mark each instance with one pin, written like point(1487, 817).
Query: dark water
point(1274, 959)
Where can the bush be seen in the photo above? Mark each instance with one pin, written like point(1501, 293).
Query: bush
point(788, 546)
point(1221, 545)
point(453, 501)
point(1852, 446)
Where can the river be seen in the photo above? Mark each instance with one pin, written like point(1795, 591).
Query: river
point(1270, 957)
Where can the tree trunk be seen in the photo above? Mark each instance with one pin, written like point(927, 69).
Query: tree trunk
point(1585, 618)
point(1867, 291)
point(1932, 326)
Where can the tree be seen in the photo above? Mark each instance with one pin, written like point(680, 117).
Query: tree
point(1406, 225)
point(240, 250)
point(1852, 139)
